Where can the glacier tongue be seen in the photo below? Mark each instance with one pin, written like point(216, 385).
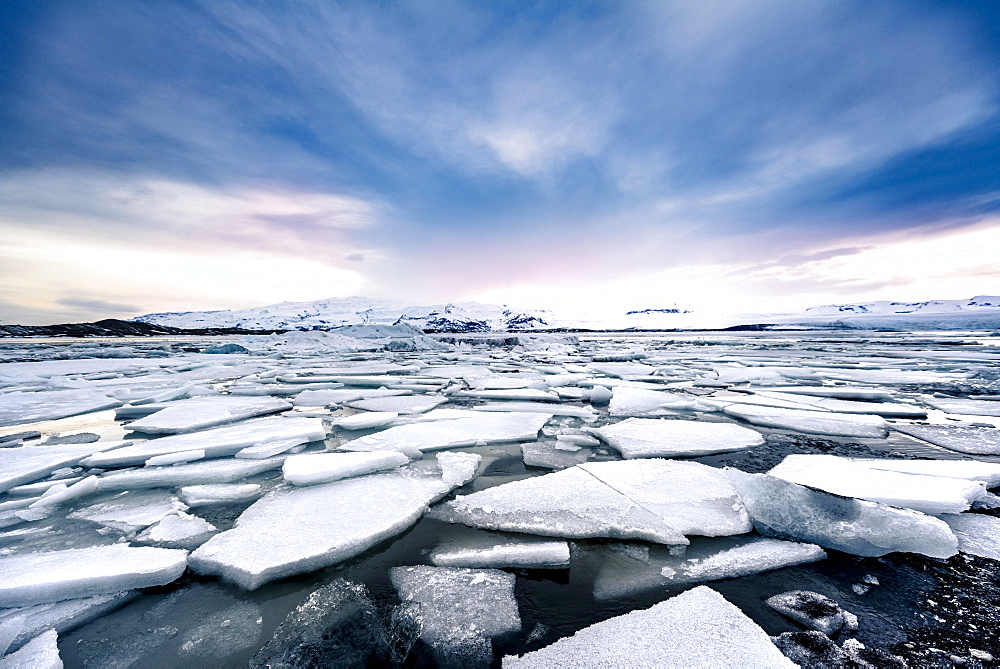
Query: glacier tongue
point(697, 628)
point(294, 531)
point(787, 510)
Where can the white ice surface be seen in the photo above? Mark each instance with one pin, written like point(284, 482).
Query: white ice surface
point(221, 493)
point(787, 510)
point(971, 407)
point(812, 422)
point(366, 420)
point(217, 442)
point(585, 413)
point(313, 468)
point(524, 394)
point(298, 530)
point(963, 439)
point(497, 551)
point(227, 470)
point(19, 408)
point(470, 430)
point(131, 511)
point(42, 652)
point(201, 413)
point(698, 628)
point(652, 437)
point(175, 458)
point(639, 402)
point(854, 478)
point(457, 469)
point(38, 578)
point(317, 398)
point(403, 404)
point(971, 470)
point(24, 464)
point(20, 625)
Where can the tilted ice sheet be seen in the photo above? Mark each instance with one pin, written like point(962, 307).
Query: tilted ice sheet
point(227, 470)
point(298, 530)
point(970, 407)
point(963, 439)
point(366, 420)
point(403, 404)
point(706, 559)
point(651, 437)
point(18, 626)
point(130, 511)
point(457, 469)
point(971, 470)
point(698, 628)
point(786, 510)
point(219, 493)
point(457, 605)
point(585, 413)
point(42, 652)
point(316, 398)
point(853, 478)
point(24, 464)
point(498, 551)
point(38, 578)
point(19, 408)
point(204, 412)
point(812, 422)
point(475, 429)
point(638, 402)
point(313, 468)
point(977, 533)
point(837, 392)
point(896, 409)
point(217, 442)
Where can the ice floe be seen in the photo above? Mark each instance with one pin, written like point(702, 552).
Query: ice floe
point(24, 464)
point(811, 422)
point(313, 468)
point(497, 551)
point(42, 652)
point(19, 408)
point(977, 534)
point(961, 438)
point(220, 493)
point(652, 438)
point(204, 412)
point(471, 429)
point(20, 625)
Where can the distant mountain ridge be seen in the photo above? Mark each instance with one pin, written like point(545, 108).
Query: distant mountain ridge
point(977, 304)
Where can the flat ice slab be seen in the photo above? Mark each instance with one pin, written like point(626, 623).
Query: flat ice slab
point(313, 468)
point(497, 551)
point(178, 530)
point(298, 530)
point(812, 422)
point(971, 470)
point(19, 408)
point(201, 413)
point(628, 401)
point(968, 407)
point(225, 470)
point(706, 559)
point(654, 500)
point(977, 533)
point(37, 578)
point(457, 469)
point(698, 628)
point(24, 464)
point(366, 420)
point(217, 442)
point(18, 626)
point(857, 478)
point(474, 429)
point(402, 404)
point(459, 607)
point(972, 440)
point(787, 510)
point(652, 438)
point(219, 493)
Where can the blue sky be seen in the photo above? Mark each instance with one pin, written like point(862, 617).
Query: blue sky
point(729, 155)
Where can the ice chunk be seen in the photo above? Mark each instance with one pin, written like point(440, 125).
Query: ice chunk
point(200, 413)
point(696, 628)
point(658, 501)
point(600, 395)
point(964, 439)
point(548, 454)
point(336, 625)
point(61, 493)
point(332, 522)
point(38, 578)
point(705, 559)
point(221, 493)
point(500, 551)
point(42, 652)
point(24, 464)
point(529, 394)
point(977, 533)
point(459, 607)
point(470, 430)
point(969, 407)
point(318, 398)
point(457, 469)
point(621, 370)
point(312, 468)
point(197, 473)
point(19, 408)
point(366, 420)
point(853, 478)
point(269, 449)
point(585, 413)
point(639, 402)
point(651, 437)
point(404, 404)
point(175, 458)
point(837, 392)
point(787, 510)
point(179, 530)
point(17, 626)
point(849, 406)
point(971, 470)
point(130, 511)
point(812, 422)
point(812, 610)
point(216, 443)
point(222, 634)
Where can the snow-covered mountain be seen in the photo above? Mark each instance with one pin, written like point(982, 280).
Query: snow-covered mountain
point(337, 312)
point(982, 311)
point(979, 304)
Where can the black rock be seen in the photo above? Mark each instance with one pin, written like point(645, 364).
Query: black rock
point(813, 610)
point(20, 436)
point(810, 649)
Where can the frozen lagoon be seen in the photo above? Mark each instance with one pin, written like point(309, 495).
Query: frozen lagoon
point(930, 603)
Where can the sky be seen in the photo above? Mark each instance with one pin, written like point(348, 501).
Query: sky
point(727, 156)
